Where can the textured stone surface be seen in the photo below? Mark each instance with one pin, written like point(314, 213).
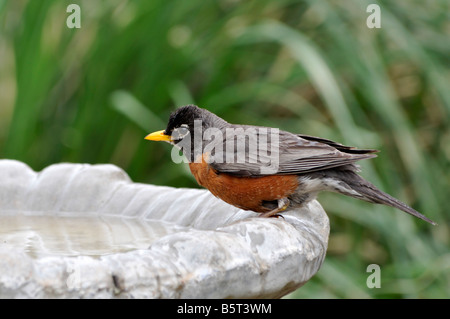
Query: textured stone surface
point(88, 231)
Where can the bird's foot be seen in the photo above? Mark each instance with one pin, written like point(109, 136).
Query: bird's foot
point(282, 205)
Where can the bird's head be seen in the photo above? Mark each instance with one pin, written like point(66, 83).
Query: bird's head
point(187, 122)
point(180, 125)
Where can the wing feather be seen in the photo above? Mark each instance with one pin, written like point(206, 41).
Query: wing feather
point(286, 154)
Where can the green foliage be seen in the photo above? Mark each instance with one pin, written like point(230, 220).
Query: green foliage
point(313, 67)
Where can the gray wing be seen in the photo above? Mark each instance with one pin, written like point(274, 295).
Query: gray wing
point(259, 151)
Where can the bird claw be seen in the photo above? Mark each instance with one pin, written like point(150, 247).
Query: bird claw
point(282, 205)
point(277, 216)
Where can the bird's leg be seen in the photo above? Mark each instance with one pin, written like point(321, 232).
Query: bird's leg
point(283, 203)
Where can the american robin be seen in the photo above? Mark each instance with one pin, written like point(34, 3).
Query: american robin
point(267, 170)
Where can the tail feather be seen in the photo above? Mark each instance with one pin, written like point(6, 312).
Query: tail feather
point(371, 193)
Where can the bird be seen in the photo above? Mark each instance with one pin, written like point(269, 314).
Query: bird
point(268, 170)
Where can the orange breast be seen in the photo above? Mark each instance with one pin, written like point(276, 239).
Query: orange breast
point(244, 192)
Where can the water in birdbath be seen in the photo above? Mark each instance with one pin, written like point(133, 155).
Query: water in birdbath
point(46, 235)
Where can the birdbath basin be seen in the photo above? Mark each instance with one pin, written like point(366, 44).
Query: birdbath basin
point(88, 231)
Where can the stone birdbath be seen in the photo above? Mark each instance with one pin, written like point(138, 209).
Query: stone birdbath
point(88, 231)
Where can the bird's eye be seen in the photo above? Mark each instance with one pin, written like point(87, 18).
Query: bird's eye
point(180, 132)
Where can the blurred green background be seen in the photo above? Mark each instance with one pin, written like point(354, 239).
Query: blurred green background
point(90, 95)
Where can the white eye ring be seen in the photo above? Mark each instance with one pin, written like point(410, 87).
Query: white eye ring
point(180, 132)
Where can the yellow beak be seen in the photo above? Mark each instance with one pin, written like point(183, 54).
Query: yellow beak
point(158, 136)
